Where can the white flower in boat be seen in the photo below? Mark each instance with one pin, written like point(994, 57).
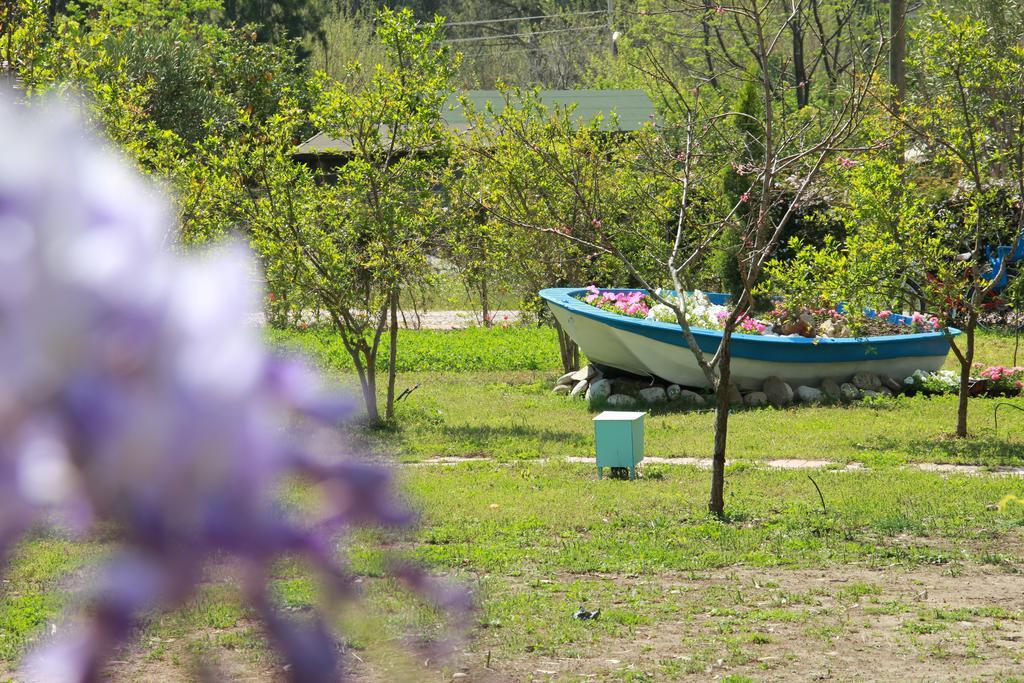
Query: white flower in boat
point(661, 313)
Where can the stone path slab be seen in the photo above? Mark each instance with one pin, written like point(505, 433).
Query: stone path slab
point(781, 464)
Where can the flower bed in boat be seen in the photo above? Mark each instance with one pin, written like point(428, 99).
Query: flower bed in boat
point(702, 313)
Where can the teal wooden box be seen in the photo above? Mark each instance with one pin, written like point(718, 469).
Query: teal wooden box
point(619, 440)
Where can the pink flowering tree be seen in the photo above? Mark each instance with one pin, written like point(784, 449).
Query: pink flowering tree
point(137, 396)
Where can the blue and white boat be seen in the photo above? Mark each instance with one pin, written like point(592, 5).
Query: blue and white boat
point(653, 348)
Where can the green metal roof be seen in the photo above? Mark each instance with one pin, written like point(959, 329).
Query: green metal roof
point(631, 109)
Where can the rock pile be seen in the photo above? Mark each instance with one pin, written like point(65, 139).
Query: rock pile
point(590, 383)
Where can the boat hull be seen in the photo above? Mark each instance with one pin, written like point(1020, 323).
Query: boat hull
point(648, 347)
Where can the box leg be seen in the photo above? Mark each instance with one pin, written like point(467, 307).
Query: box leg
point(598, 472)
point(632, 473)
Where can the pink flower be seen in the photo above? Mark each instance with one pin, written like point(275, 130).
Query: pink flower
point(745, 197)
point(846, 162)
point(884, 315)
point(719, 10)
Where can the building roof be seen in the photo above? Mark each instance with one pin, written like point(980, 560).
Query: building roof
point(621, 111)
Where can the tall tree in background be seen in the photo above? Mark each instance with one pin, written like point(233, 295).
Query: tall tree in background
point(898, 50)
point(277, 20)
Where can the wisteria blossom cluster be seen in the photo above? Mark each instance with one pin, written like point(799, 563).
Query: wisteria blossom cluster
point(135, 392)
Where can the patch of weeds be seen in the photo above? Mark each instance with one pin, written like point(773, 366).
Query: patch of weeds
point(886, 608)
point(826, 632)
point(854, 591)
point(922, 627)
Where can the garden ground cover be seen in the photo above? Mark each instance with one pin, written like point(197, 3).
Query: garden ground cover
point(906, 574)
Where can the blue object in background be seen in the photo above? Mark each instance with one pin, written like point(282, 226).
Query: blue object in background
point(1003, 254)
point(619, 440)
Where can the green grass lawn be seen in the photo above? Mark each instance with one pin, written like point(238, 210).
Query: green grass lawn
point(514, 415)
point(917, 572)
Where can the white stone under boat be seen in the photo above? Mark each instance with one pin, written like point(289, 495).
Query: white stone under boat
point(653, 348)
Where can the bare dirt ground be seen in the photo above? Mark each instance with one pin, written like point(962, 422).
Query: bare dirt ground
point(842, 624)
point(846, 623)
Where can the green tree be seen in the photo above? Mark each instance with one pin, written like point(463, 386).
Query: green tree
point(690, 151)
point(351, 245)
point(551, 186)
point(966, 117)
point(966, 114)
point(736, 183)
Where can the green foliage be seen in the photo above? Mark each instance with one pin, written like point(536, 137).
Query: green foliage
point(350, 244)
point(737, 184)
point(159, 91)
point(472, 349)
point(892, 248)
point(542, 175)
point(552, 190)
point(277, 20)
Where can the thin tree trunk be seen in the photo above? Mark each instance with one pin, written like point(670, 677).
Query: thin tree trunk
point(708, 61)
point(370, 392)
point(569, 350)
point(965, 376)
point(800, 79)
point(898, 50)
point(716, 503)
point(485, 303)
point(389, 405)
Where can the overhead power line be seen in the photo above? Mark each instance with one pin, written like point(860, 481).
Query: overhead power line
point(527, 34)
point(477, 22)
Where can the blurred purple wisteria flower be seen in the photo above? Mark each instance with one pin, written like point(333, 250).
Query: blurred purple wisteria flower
point(136, 392)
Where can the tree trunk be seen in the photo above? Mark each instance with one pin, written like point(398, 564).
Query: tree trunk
point(389, 405)
point(370, 393)
point(965, 376)
point(800, 78)
point(716, 503)
point(485, 302)
point(898, 50)
point(569, 350)
point(708, 60)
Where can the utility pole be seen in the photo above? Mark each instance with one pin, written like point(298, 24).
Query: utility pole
point(613, 35)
